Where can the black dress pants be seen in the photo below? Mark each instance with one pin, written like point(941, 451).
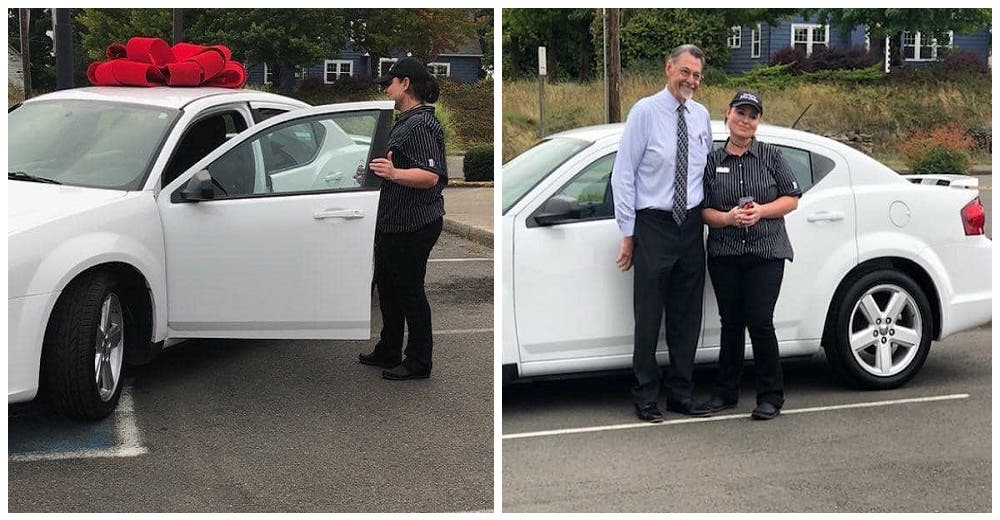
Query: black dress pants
point(400, 267)
point(669, 265)
point(746, 288)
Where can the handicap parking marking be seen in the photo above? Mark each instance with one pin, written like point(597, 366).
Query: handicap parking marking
point(628, 426)
point(47, 437)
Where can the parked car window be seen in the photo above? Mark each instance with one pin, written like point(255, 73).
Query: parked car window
point(92, 143)
point(528, 169)
point(591, 188)
point(200, 139)
point(263, 114)
point(808, 167)
point(320, 153)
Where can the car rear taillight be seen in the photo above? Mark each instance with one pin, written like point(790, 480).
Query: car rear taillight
point(973, 217)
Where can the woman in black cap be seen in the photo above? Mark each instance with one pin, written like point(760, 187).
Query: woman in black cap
point(749, 188)
point(410, 212)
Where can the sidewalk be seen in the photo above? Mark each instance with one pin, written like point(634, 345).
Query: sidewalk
point(468, 206)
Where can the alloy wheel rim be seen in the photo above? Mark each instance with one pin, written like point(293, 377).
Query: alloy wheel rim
point(885, 330)
point(109, 348)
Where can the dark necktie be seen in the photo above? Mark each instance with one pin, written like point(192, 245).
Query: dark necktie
point(681, 174)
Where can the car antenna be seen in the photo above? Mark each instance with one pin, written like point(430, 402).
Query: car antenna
point(802, 114)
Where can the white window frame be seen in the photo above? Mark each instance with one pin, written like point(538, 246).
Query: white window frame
point(755, 42)
point(338, 73)
point(385, 60)
point(810, 29)
point(735, 39)
point(447, 69)
point(268, 72)
point(918, 46)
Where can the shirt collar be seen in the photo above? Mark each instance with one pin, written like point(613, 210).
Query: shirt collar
point(753, 149)
point(403, 116)
point(671, 101)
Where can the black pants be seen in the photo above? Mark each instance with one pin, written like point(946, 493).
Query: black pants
point(400, 266)
point(669, 276)
point(746, 288)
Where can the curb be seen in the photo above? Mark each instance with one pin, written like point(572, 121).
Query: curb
point(468, 184)
point(466, 231)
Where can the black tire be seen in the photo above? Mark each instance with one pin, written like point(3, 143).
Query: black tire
point(71, 347)
point(867, 369)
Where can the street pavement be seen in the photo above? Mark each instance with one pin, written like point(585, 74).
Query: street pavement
point(275, 426)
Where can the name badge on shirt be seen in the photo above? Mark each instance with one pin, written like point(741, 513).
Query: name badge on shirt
point(431, 161)
point(721, 169)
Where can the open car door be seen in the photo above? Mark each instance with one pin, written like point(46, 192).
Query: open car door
point(271, 235)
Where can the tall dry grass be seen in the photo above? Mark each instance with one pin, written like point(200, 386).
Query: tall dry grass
point(889, 112)
point(14, 94)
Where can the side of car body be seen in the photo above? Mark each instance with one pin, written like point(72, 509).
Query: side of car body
point(567, 308)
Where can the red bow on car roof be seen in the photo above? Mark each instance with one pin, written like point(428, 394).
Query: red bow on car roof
point(150, 62)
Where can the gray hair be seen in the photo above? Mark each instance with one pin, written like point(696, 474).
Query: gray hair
point(690, 49)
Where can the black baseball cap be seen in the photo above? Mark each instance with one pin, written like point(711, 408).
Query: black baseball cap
point(745, 97)
point(405, 68)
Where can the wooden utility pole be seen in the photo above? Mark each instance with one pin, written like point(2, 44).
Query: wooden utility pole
point(23, 15)
point(613, 66)
point(178, 34)
point(63, 32)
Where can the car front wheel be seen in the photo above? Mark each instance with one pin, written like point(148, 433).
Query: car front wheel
point(882, 331)
point(85, 347)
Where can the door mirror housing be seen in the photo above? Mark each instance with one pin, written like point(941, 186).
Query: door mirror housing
point(199, 187)
point(557, 210)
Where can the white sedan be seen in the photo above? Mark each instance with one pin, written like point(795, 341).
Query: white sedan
point(871, 247)
point(142, 216)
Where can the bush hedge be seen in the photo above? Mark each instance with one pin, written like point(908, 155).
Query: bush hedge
point(478, 163)
point(943, 160)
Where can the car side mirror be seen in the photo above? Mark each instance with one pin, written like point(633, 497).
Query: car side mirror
point(199, 187)
point(557, 210)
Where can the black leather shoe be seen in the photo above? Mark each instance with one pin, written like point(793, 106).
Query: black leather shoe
point(687, 407)
point(718, 403)
point(401, 373)
point(649, 412)
point(765, 411)
point(376, 360)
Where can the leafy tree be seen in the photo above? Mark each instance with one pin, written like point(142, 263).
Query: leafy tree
point(424, 33)
point(285, 39)
point(102, 27)
point(43, 63)
point(565, 34)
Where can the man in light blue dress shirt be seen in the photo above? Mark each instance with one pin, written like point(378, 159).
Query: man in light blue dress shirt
point(657, 187)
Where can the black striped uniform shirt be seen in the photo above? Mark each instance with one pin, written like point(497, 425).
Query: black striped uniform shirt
point(416, 141)
point(762, 173)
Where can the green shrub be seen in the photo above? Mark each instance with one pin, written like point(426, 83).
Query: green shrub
point(478, 163)
point(942, 160)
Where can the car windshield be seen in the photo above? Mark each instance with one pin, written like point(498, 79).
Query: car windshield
point(85, 143)
point(536, 163)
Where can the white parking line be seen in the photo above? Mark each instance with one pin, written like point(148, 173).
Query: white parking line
point(436, 260)
point(549, 433)
point(461, 331)
point(127, 433)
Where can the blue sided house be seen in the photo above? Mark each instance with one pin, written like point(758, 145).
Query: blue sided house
point(755, 45)
point(465, 65)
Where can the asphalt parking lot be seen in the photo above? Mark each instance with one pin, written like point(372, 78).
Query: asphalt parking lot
point(298, 426)
point(925, 447)
point(575, 445)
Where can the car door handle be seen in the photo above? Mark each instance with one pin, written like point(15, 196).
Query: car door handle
point(825, 215)
point(339, 213)
point(333, 177)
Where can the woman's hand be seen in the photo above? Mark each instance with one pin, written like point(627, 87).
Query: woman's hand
point(383, 167)
point(750, 215)
point(733, 216)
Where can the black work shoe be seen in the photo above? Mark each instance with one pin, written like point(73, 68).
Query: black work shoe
point(649, 412)
point(765, 411)
point(718, 403)
point(687, 407)
point(377, 360)
point(401, 373)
